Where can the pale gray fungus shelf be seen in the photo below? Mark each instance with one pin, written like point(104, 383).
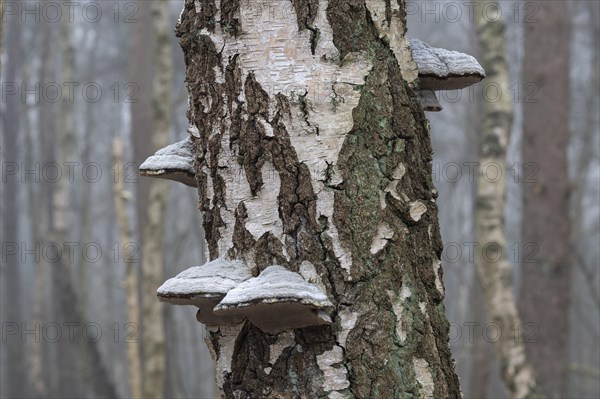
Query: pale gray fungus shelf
point(205, 286)
point(277, 300)
point(173, 162)
point(441, 69)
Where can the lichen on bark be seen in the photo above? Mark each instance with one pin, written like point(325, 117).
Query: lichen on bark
point(301, 138)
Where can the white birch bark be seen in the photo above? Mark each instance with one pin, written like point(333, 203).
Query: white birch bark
point(312, 153)
point(494, 269)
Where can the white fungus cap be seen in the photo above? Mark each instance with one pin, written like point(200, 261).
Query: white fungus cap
point(441, 69)
point(277, 300)
point(204, 286)
point(173, 162)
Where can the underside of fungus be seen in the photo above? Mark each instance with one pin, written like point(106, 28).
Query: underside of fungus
point(204, 286)
point(277, 300)
point(441, 69)
point(429, 101)
point(173, 162)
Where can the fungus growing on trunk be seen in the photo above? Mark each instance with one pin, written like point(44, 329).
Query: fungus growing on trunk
point(441, 69)
point(277, 300)
point(173, 162)
point(204, 286)
point(429, 101)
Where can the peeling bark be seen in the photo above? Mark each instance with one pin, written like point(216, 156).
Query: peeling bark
point(300, 140)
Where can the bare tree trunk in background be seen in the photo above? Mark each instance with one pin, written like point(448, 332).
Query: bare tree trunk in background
point(131, 282)
point(546, 287)
point(493, 267)
point(1, 32)
point(482, 359)
point(37, 351)
point(37, 354)
point(69, 361)
point(154, 225)
point(481, 355)
point(583, 160)
point(142, 72)
point(330, 174)
point(43, 200)
point(584, 379)
point(11, 270)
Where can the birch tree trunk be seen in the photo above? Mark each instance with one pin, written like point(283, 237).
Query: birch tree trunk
point(131, 281)
point(546, 287)
point(152, 244)
point(46, 305)
point(141, 75)
point(314, 154)
point(493, 267)
point(142, 72)
point(63, 144)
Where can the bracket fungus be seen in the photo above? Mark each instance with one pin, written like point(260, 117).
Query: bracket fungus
point(173, 162)
point(441, 69)
point(277, 300)
point(429, 101)
point(204, 286)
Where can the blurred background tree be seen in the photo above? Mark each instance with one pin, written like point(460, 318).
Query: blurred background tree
point(547, 280)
